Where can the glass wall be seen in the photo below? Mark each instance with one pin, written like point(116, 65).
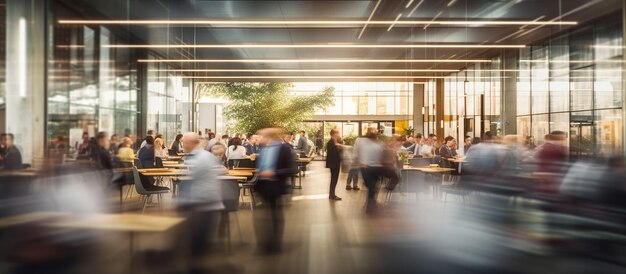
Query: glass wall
point(90, 87)
point(167, 94)
point(472, 101)
point(573, 83)
point(363, 98)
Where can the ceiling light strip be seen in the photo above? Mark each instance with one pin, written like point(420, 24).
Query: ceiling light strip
point(393, 24)
point(313, 22)
point(311, 61)
point(307, 70)
point(316, 46)
point(307, 77)
point(369, 19)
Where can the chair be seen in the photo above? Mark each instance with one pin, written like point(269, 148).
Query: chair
point(138, 163)
point(420, 161)
point(230, 193)
point(172, 152)
point(249, 185)
point(158, 162)
point(240, 163)
point(146, 194)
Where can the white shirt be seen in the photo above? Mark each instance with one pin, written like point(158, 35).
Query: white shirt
point(369, 152)
point(426, 150)
point(205, 188)
point(235, 154)
point(161, 153)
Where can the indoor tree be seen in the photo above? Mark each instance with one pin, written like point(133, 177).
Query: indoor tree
point(253, 106)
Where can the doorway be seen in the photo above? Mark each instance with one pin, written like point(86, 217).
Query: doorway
point(581, 140)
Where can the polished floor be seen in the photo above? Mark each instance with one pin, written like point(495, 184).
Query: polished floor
point(413, 233)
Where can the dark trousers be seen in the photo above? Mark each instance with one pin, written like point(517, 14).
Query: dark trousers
point(353, 176)
point(392, 174)
point(334, 178)
point(370, 179)
point(201, 228)
point(269, 223)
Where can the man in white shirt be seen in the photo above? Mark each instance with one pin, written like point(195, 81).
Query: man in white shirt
point(201, 196)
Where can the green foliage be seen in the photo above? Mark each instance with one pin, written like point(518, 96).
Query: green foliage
point(349, 140)
point(254, 106)
point(408, 130)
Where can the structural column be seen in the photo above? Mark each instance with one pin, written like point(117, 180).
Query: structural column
point(25, 76)
point(418, 107)
point(439, 115)
point(624, 78)
point(509, 91)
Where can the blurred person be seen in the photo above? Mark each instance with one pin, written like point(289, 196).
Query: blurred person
point(288, 139)
point(467, 143)
point(201, 198)
point(12, 159)
point(219, 150)
point(251, 146)
point(353, 174)
point(550, 158)
point(530, 143)
point(235, 151)
point(159, 151)
point(370, 153)
point(150, 133)
point(230, 141)
point(477, 140)
point(225, 140)
point(448, 150)
point(410, 141)
point(58, 148)
point(427, 149)
point(484, 159)
point(160, 136)
point(319, 142)
point(83, 147)
point(100, 153)
point(177, 145)
point(3, 148)
point(333, 161)
point(113, 144)
point(303, 144)
point(216, 140)
point(125, 153)
point(146, 153)
point(275, 165)
point(390, 162)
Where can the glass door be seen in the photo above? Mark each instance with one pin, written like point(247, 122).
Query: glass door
point(581, 140)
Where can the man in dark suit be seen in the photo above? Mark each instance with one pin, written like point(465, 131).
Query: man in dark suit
point(275, 165)
point(12, 159)
point(100, 154)
point(333, 162)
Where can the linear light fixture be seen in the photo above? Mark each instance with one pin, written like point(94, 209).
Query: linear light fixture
point(311, 61)
point(415, 8)
point(21, 57)
point(317, 46)
point(394, 22)
point(308, 77)
point(307, 70)
point(408, 4)
point(452, 2)
point(369, 19)
point(287, 23)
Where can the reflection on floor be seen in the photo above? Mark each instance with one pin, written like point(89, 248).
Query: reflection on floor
point(412, 234)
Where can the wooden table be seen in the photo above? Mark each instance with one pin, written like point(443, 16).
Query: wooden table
point(131, 223)
point(430, 170)
point(245, 168)
point(240, 173)
point(175, 158)
point(31, 217)
point(456, 160)
point(175, 165)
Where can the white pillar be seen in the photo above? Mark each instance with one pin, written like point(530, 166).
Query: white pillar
point(25, 68)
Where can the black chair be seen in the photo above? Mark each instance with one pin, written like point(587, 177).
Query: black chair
point(158, 162)
point(138, 163)
point(240, 163)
